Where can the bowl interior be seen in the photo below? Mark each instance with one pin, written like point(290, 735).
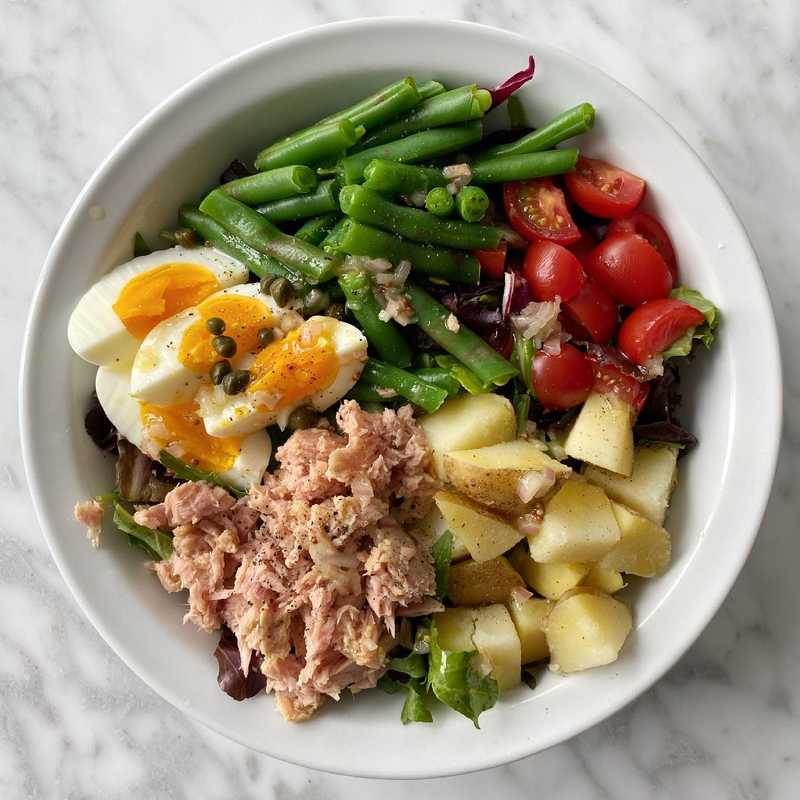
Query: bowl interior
point(173, 157)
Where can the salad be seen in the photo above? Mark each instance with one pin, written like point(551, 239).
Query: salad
point(397, 407)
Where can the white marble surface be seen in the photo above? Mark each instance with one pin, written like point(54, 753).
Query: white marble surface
point(75, 723)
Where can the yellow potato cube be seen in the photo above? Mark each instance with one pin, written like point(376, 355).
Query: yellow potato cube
point(530, 616)
point(497, 642)
point(603, 433)
point(548, 580)
point(604, 579)
point(644, 548)
point(474, 583)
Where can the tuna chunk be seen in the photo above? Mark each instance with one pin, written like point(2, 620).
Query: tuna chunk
point(89, 513)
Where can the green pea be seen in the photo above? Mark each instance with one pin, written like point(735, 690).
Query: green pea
point(219, 371)
point(236, 382)
point(265, 336)
point(281, 291)
point(224, 345)
point(215, 325)
point(302, 418)
point(315, 302)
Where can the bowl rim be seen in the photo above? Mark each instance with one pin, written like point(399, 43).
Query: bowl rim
point(771, 433)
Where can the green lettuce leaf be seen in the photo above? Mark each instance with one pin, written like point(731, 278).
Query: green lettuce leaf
point(390, 685)
point(157, 544)
point(415, 665)
point(186, 472)
point(415, 708)
point(442, 551)
point(454, 679)
point(703, 333)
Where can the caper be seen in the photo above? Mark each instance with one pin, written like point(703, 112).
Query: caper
point(236, 381)
point(281, 291)
point(219, 371)
point(185, 237)
point(265, 336)
point(224, 345)
point(265, 283)
point(302, 418)
point(315, 302)
point(335, 310)
point(215, 325)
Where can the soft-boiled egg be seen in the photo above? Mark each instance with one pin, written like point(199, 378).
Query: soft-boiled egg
point(315, 364)
point(176, 356)
point(240, 460)
point(113, 317)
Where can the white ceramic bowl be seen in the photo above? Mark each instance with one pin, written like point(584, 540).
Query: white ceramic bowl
point(732, 395)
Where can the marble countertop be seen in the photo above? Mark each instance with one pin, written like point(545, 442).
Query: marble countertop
point(76, 723)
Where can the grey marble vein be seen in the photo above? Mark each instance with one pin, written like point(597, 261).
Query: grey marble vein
point(76, 723)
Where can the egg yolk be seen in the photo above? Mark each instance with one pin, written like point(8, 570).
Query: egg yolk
point(244, 317)
point(289, 370)
point(180, 429)
point(159, 293)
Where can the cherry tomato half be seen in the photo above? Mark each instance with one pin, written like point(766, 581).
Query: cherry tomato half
point(602, 189)
point(563, 380)
point(648, 226)
point(551, 270)
point(493, 262)
point(612, 377)
point(583, 246)
point(594, 309)
point(537, 210)
point(654, 326)
point(630, 268)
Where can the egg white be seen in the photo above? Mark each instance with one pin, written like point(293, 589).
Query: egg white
point(124, 411)
point(240, 414)
point(157, 374)
point(98, 335)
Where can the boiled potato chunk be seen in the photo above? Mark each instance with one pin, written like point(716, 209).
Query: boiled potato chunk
point(603, 433)
point(644, 548)
point(491, 475)
point(455, 627)
point(548, 580)
point(530, 615)
point(497, 642)
point(578, 525)
point(485, 534)
point(586, 630)
point(475, 583)
point(466, 422)
point(431, 527)
point(605, 579)
point(650, 484)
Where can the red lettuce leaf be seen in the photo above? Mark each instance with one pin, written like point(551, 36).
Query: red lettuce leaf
point(502, 92)
point(231, 678)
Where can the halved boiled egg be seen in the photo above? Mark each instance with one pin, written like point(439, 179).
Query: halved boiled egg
point(176, 356)
point(113, 317)
point(240, 460)
point(315, 364)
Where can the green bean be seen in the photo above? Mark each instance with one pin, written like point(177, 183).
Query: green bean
point(209, 230)
point(313, 145)
point(522, 167)
point(449, 108)
point(428, 89)
point(385, 337)
point(380, 375)
point(384, 105)
point(463, 375)
point(462, 343)
point(573, 122)
point(275, 184)
point(516, 112)
point(312, 263)
point(322, 200)
point(391, 177)
point(440, 202)
point(472, 203)
point(358, 239)
point(314, 230)
point(368, 395)
point(371, 208)
point(439, 377)
point(329, 243)
point(418, 147)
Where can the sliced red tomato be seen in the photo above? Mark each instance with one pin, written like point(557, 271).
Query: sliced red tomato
point(583, 246)
point(594, 309)
point(537, 209)
point(493, 262)
point(573, 328)
point(612, 375)
point(602, 189)
point(552, 271)
point(648, 226)
point(562, 380)
point(630, 268)
point(654, 326)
